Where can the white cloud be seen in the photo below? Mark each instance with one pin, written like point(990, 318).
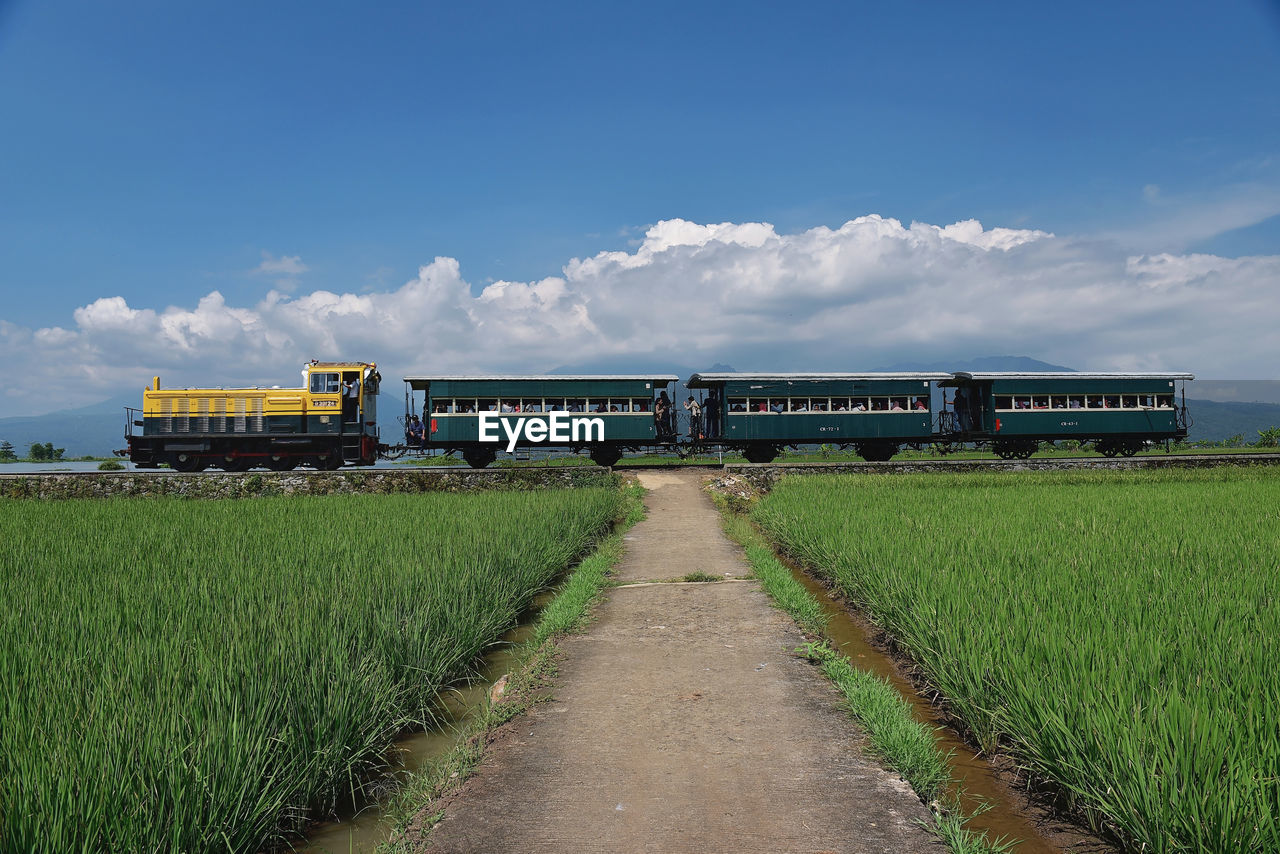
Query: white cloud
point(285, 265)
point(869, 293)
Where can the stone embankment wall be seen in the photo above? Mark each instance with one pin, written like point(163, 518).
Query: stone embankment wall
point(763, 476)
point(254, 484)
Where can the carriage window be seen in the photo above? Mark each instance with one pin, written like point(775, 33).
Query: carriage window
point(898, 404)
point(1058, 402)
point(1111, 401)
point(1164, 401)
point(488, 404)
point(737, 404)
point(465, 405)
point(1075, 401)
point(325, 383)
point(797, 404)
point(1039, 402)
point(819, 405)
point(1004, 401)
point(1129, 401)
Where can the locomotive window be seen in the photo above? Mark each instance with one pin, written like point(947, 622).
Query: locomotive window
point(737, 404)
point(325, 383)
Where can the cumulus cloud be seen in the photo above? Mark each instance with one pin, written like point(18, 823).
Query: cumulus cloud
point(872, 292)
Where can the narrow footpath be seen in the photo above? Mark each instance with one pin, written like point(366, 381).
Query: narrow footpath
point(683, 722)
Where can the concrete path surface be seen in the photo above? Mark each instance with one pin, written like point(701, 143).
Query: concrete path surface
point(683, 722)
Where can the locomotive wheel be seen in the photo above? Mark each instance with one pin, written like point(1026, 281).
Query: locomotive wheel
point(606, 456)
point(478, 458)
point(236, 464)
point(331, 461)
point(186, 463)
point(279, 462)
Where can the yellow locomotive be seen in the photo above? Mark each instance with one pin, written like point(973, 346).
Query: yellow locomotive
point(328, 422)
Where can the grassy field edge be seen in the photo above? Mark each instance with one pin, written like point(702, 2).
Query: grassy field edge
point(568, 612)
point(904, 744)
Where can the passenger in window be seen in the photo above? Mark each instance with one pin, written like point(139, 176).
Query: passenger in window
point(895, 406)
point(920, 405)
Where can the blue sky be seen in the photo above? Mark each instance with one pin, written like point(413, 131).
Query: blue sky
point(159, 151)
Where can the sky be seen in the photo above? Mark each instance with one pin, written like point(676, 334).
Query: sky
point(217, 192)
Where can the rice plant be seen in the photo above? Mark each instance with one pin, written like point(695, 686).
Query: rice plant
point(196, 676)
point(1118, 631)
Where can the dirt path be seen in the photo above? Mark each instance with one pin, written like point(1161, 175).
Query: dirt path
point(683, 722)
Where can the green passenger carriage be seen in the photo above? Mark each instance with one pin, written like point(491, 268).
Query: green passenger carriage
point(479, 415)
point(875, 413)
point(1118, 412)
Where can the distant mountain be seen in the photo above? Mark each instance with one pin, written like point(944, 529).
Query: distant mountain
point(80, 435)
point(980, 363)
point(1216, 420)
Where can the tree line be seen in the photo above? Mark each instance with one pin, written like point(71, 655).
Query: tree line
point(38, 452)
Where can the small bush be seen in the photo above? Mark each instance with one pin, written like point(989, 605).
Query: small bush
point(110, 465)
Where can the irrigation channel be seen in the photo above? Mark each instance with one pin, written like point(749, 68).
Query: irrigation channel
point(974, 777)
point(362, 825)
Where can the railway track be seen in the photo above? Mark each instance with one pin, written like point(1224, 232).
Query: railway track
point(816, 465)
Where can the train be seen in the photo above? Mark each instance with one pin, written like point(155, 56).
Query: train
point(331, 421)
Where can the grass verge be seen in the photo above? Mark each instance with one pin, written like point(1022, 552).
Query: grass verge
point(568, 612)
point(904, 744)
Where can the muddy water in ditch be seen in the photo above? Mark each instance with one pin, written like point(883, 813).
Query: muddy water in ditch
point(973, 774)
point(361, 827)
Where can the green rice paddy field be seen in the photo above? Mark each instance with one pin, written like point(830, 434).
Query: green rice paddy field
point(1118, 632)
point(195, 675)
